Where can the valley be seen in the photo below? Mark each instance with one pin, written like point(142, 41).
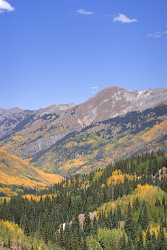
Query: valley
point(83, 125)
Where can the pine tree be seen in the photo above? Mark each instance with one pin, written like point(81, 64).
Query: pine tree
point(129, 224)
point(143, 219)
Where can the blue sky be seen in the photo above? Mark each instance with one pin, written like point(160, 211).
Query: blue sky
point(61, 51)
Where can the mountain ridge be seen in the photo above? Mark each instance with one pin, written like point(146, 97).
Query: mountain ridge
point(30, 133)
point(102, 142)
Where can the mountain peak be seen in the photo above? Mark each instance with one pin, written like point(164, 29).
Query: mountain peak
point(111, 90)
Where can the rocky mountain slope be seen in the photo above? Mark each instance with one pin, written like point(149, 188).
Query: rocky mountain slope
point(103, 141)
point(69, 139)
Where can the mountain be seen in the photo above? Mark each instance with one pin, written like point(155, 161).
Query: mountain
point(15, 119)
point(115, 101)
point(11, 121)
point(96, 145)
point(17, 172)
point(68, 139)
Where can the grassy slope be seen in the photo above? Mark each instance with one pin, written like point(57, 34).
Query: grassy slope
point(15, 171)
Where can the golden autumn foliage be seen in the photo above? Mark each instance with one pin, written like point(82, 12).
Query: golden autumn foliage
point(49, 178)
point(157, 129)
point(37, 198)
point(154, 230)
point(11, 235)
point(145, 192)
point(118, 177)
point(15, 171)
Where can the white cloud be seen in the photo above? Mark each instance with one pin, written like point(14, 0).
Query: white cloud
point(158, 34)
point(5, 6)
point(85, 12)
point(122, 18)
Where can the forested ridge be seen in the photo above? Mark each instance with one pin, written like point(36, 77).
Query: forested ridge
point(123, 206)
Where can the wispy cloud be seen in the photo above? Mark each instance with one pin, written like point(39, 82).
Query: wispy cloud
point(122, 18)
point(94, 89)
point(5, 6)
point(85, 12)
point(158, 34)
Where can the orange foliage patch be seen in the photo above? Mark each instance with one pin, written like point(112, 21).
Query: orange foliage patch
point(157, 129)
